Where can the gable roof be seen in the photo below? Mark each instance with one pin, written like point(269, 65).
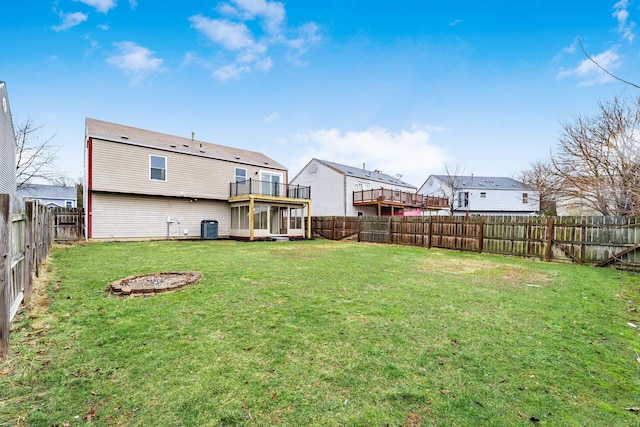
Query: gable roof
point(485, 182)
point(365, 174)
point(43, 191)
point(145, 138)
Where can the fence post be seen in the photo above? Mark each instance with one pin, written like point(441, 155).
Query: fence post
point(333, 232)
point(5, 272)
point(480, 234)
point(430, 225)
point(548, 252)
point(28, 249)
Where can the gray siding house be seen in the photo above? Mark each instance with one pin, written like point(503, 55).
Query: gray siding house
point(7, 145)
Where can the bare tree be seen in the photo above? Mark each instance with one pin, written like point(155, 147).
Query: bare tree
point(597, 162)
point(34, 156)
point(450, 186)
point(540, 178)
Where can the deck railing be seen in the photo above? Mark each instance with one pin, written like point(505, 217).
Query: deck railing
point(397, 197)
point(268, 188)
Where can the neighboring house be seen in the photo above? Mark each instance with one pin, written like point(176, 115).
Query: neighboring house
point(141, 184)
point(7, 145)
point(50, 195)
point(482, 195)
point(340, 190)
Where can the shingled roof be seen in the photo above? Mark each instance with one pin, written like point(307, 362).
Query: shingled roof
point(366, 174)
point(145, 138)
point(485, 182)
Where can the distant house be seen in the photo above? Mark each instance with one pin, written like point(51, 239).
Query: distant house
point(482, 195)
point(141, 184)
point(50, 195)
point(7, 145)
point(341, 190)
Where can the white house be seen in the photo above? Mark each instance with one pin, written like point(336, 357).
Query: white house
point(483, 195)
point(341, 190)
point(51, 195)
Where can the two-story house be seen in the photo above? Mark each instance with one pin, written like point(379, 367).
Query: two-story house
point(141, 184)
point(341, 190)
point(482, 195)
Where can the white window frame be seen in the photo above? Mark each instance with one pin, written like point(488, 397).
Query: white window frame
point(166, 172)
point(525, 198)
point(268, 191)
point(238, 178)
point(483, 194)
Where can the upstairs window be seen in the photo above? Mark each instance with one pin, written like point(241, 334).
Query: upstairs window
point(483, 195)
point(241, 175)
point(157, 168)
point(525, 198)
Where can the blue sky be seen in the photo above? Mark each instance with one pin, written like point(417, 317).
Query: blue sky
point(404, 87)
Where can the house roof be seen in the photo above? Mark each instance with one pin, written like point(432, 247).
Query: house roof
point(365, 174)
point(43, 191)
point(484, 182)
point(145, 138)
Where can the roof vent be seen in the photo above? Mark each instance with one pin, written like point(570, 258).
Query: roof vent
point(173, 145)
point(124, 137)
point(237, 158)
point(185, 145)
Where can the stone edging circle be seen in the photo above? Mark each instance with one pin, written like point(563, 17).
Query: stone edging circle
point(153, 284)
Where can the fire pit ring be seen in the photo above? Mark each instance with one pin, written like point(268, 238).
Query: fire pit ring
point(153, 284)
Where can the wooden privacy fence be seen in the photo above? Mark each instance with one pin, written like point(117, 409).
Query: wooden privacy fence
point(25, 239)
point(27, 230)
point(68, 224)
point(587, 240)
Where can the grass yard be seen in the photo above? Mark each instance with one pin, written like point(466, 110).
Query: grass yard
point(319, 333)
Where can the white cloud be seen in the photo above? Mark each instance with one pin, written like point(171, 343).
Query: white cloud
point(625, 27)
point(135, 60)
point(589, 73)
point(231, 35)
point(271, 13)
point(455, 22)
point(271, 117)
point(407, 152)
point(248, 43)
point(70, 20)
point(133, 4)
point(100, 5)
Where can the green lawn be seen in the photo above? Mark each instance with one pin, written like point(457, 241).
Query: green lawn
point(319, 333)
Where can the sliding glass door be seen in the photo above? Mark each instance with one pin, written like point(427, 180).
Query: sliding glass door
point(279, 220)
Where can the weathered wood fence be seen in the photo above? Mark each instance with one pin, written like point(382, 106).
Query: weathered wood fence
point(27, 230)
point(587, 240)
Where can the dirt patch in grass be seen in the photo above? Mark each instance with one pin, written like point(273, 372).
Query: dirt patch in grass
point(509, 274)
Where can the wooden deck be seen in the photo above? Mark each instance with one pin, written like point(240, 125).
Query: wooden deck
point(383, 197)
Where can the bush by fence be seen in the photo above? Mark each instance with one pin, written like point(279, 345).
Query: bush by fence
point(587, 240)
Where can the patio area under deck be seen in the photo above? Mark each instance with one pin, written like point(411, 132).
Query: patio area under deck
point(274, 194)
